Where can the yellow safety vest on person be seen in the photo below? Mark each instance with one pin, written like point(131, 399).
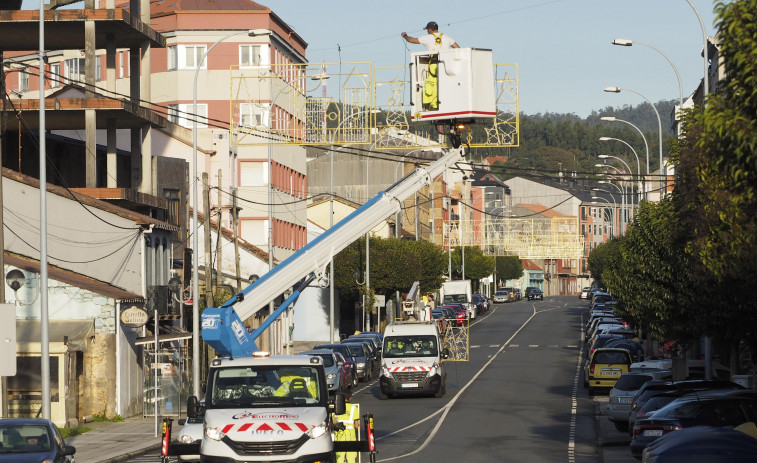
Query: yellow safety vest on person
point(430, 87)
point(302, 387)
point(351, 421)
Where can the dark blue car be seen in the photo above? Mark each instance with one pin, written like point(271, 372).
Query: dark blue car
point(27, 440)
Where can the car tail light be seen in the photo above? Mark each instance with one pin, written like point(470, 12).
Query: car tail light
point(671, 427)
point(640, 415)
point(591, 369)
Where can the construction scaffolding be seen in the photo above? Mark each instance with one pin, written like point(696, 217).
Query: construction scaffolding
point(306, 104)
point(534, 238)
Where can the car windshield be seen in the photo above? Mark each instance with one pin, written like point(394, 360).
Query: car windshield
point(265, 386)
point(631, 382)
point(608, 358)
point(24, 439)
point(356, 350)
point(455, 298)
point(500, 293)
point(410, 346)
point(328, 360)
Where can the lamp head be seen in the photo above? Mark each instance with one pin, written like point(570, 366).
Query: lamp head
point(174, 284)
point(612, 89)
point(259, 32)
point(623, 42)
point(15, 279)
point(605, 138)
point(603, 156)
point(356, 274)
point(608, 118)
point(253, 278)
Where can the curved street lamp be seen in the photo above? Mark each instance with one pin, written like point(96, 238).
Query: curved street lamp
point(659, 126)
point(612, 217)
point(628, 43)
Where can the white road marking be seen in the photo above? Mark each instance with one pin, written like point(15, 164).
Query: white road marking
point(448, 406)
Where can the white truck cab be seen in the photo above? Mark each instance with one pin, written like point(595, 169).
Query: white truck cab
point(412, 360)
point(267, 408)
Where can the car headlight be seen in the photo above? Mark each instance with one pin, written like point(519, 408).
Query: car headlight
point(432, 371)
point(214, 433)
point(385, 371)
point(317, 431)
point(361, 364)
point(330, 376)
point(186, 439)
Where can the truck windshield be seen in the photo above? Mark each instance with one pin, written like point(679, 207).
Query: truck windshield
point(410, 346)
point(265, 386)
point(462, 298)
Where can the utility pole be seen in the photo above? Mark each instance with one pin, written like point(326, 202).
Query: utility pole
point(206, 228)
point(219, 241)
point(3, 384)
point(234, 225)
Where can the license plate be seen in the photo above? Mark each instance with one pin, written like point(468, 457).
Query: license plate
point(610, 372)
point(625, 400)
point(409, 384)
point(653, 433)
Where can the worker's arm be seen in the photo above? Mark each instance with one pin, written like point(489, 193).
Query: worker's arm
point(409, 39)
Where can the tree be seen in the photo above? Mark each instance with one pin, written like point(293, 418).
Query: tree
point(509, 268)
point(477, 265)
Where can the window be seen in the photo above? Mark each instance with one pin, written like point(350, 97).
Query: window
point(55, 76)
point(173, 58)
point(255, 231)
point(73, 69)
point(183, 115)
point(23, 80)
point(253, 173)
point(192, 56)
point(251, 115)
point(251, 55)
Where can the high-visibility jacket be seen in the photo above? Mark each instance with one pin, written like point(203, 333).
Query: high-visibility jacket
point(351, 421)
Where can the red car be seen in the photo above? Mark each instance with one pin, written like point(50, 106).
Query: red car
point(349, 375)
point(461, 313)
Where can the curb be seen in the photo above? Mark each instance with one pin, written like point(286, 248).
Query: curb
point(129, 455)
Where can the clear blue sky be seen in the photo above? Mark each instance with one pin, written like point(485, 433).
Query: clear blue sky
point(562, 47)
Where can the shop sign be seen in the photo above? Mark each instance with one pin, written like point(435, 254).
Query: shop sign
point(134, 317)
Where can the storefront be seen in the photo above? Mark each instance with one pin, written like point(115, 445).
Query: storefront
point(68, 345)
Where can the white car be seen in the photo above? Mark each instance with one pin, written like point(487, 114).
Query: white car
point(191, 432)
point(585, 293)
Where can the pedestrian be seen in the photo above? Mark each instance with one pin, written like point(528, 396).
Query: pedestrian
point(434, 40)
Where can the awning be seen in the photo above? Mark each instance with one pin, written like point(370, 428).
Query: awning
point(73, 333)
point(165, 334)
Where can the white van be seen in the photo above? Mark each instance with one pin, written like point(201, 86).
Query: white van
point(412, 360)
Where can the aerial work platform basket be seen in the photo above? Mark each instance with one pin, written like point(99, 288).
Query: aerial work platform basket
point(456, 84)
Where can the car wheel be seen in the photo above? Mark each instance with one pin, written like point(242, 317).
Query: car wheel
point(440, 393)
point(383, 396)
point(622, 427)
point(355, 379)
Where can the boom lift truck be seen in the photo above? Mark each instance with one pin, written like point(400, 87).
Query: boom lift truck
point(260, 407)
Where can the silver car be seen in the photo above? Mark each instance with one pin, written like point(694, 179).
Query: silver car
point(501, 296)
point(621, 395)
point(332, 367)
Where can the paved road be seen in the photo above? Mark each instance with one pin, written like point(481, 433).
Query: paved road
point(518, 399)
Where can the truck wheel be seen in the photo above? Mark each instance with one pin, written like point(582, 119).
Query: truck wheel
point(383, 396)
point(440, 393)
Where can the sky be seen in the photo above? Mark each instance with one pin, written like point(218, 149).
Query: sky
point(562, 47)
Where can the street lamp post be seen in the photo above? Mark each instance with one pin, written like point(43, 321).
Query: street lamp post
point(646, 146)
point(623, 191)
point(612, 219)
point(628, 43)
point(606, 156)
point(619, 230)
point(659, 126)
point(195, 220)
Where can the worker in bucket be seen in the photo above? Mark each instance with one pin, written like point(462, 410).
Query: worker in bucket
point(434, 40)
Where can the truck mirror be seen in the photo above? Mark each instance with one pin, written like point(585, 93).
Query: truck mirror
point(192, 407)
point(339, 405)
point(445, 353)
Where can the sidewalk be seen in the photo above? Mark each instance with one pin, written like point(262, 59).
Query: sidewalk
point(117, 441)
point(612, 444)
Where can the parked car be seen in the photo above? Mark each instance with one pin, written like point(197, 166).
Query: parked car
point(32, 440)
point(460, 313)
point(704, 408)
point(333, 367)
point(191, 433)
point(605, 367)
point(348, 357)
point(585, 292)
point(532, 292)
point(481, 302)
point(621, 395)
point(501, 296)
point(510, 293)
point(704, 443)
point(363, 358)
point(651, 405)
